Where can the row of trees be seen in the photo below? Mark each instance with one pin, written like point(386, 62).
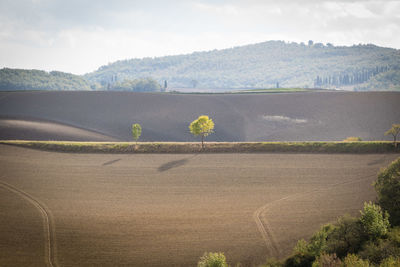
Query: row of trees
point(349, 78)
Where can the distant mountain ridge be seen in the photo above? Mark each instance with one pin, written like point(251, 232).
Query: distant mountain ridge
point(266, 65)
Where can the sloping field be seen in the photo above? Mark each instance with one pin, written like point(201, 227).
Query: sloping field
point(167, 210)
point(302, 116)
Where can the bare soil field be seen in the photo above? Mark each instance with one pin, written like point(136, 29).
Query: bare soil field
point(166, 210)
point(107, 116)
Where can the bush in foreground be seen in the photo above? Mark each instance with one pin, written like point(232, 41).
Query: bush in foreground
point(388, 188)
point(211, 259)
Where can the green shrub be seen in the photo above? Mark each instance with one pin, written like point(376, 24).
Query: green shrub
point(327, 260)
point(347, 237)
point(318, 242)
point(352, 260)
point(299, 260)
point(377, 251)
point(375, 223)
point(388, 188)
point(390, 262)
point(212, 260)
point(394, 235)
point(301, 255)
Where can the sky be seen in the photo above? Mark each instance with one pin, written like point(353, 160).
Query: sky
point(79, 36)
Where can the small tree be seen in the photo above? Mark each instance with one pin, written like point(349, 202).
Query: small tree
point(136, 131)
point(394, 131)
point(203, 126)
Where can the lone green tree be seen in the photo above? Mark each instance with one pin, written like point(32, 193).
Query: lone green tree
point(136, 131)
point(394, 131)
point(203, 126)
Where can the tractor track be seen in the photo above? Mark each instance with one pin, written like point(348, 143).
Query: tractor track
point(265, 229)
point(48, 224)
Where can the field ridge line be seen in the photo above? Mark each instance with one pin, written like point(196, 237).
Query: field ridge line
point(265, 229)
point(48, 225)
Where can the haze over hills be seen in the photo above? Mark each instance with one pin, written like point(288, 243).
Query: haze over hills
point(264, 65)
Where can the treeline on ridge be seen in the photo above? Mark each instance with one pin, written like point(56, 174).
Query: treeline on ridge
point(20, 79)
point(264, 65)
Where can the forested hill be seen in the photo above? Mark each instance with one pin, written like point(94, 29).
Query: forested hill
point(265, 65)
point(19, 79)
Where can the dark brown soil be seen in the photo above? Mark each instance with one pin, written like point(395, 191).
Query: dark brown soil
point(167, 210)
point(304, 116)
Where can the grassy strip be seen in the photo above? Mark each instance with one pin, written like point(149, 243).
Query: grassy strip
point(211, 147)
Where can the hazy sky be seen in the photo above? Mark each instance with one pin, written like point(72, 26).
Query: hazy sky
point(79, 36)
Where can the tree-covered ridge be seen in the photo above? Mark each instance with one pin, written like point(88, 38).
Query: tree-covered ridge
point(19, 79)
point(263, 65)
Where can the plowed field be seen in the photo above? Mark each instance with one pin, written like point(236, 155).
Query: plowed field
point(166, 210)
point(108, 116)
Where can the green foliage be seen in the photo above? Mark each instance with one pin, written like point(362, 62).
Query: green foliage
point(352, 260)
point(301, 255)
point(375, 223)
point(394, 235)
point(378, 250)
point(136, 131)
point(299, 260)
point(289, 64)
point(202, 126)
point(327, 260)
point(319, 241)
point(388, 188)
point(18, 79)
point(347, 237)
point(390, 262)
point(212, 260)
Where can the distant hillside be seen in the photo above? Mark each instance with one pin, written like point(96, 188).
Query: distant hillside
point(266, 65)
point(19, 79)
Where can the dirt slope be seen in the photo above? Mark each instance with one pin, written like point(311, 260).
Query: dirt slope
point(165, 117)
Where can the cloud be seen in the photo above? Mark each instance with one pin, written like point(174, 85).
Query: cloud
point(80, 35)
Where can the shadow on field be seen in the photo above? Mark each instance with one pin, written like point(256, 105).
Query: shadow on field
point(110, 162)
point(174, 164)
